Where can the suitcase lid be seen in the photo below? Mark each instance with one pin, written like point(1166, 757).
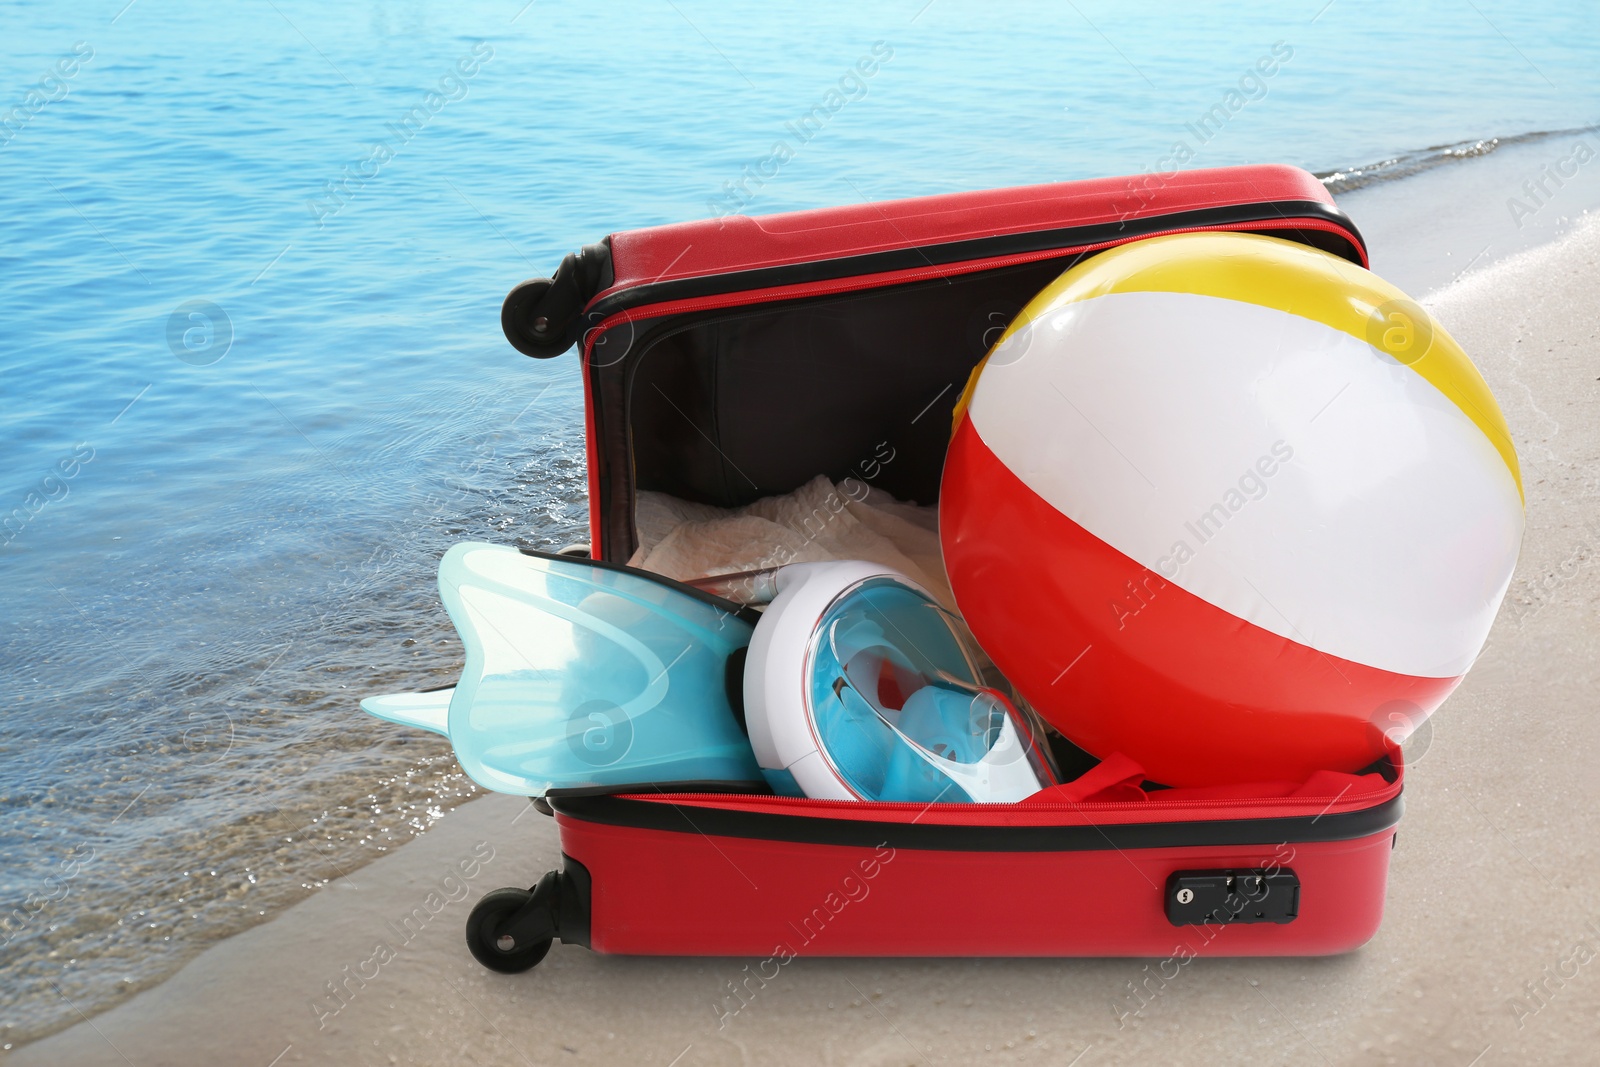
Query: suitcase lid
point(730, 359)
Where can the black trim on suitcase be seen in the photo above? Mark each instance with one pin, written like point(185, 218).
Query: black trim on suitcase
point(577, 895)
point(756, 788)
point(988, 248)
point(812, 829)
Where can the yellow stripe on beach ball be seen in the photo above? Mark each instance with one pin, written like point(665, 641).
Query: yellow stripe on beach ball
point(1289, 277)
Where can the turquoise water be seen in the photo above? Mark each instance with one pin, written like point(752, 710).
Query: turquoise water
point(247, 410)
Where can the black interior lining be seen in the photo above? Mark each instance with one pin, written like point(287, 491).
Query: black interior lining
point(730, 407)
point(724, 407)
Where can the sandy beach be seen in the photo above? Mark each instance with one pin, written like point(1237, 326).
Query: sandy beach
point(1489, 952)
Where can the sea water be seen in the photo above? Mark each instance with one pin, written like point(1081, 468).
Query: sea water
point(254, 383)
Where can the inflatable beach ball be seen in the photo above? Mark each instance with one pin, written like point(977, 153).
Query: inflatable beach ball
point(1231, 506)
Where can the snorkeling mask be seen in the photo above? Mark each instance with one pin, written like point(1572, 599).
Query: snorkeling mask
point(859, 686)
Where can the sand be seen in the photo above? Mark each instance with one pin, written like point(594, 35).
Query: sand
point(1492, 887)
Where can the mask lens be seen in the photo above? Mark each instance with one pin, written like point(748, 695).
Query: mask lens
point(893, 662)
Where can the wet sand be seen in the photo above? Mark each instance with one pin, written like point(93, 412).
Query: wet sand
point(1492, 890)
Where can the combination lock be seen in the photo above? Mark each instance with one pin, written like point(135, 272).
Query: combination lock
point(1233, 896)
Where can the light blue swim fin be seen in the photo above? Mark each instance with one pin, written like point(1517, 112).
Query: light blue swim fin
point(584, 677)
point(426, 711)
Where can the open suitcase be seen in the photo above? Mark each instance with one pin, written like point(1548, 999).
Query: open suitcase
point(727, 360)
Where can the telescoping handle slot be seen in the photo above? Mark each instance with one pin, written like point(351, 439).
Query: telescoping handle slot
point(1233, 896)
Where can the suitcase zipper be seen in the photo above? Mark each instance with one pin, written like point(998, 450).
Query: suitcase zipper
point(822, 822)
point(865, 281)
point(802, 804)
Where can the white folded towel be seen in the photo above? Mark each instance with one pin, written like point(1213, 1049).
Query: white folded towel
point(819, 521)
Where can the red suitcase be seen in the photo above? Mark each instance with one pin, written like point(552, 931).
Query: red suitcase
point(731, 359)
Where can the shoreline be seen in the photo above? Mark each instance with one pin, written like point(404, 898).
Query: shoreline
point(1435, 226)
point(1417, 161)
point(429, 996)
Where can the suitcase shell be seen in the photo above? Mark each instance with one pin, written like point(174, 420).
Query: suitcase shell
point(730, 359)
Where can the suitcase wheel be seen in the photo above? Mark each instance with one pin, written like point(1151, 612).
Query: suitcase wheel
point(531, 329)
point(544, 317)
point(511, 930)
